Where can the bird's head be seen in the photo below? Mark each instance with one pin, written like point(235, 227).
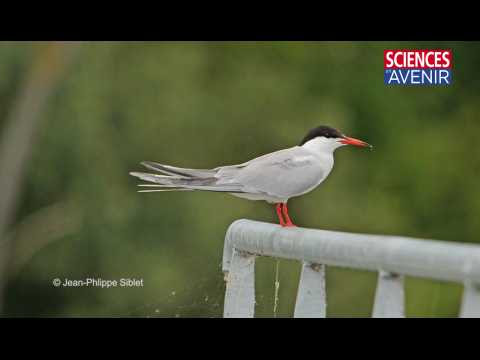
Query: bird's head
point(326, 138)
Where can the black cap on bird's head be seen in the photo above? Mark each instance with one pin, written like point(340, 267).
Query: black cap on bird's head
point(325, 131)
point(331, 133)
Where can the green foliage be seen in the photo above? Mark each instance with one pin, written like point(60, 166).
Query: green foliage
point(209, 104)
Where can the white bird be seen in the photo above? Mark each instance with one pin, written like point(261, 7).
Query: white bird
point(274, 177)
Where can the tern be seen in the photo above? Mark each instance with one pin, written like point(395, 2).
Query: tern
point(274, 177)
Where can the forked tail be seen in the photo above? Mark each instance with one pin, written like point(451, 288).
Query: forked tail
point(183, 179)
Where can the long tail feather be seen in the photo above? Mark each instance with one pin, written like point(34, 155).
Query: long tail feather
point(162, 190)
point(151, 185)
point(177, 183)
point(172, 170)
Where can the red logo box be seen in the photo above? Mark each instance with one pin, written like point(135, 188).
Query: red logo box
point(417, 59)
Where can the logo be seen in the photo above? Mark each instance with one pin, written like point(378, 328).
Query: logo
point(417, 67)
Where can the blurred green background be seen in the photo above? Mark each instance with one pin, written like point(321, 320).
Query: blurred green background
point(78, 214)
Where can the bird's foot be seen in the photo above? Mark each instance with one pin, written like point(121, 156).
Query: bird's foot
point(288, 221)
point(279, 214)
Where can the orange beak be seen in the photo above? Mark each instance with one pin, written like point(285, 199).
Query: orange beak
point(352, 141)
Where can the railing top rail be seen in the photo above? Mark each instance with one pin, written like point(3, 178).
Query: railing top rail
point(433, 259)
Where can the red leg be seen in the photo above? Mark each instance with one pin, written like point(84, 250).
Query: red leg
point(289, 222)
point(279, 214)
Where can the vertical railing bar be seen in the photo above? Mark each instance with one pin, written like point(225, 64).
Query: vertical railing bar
point(470, 307)
point(311, 296)
point(240, 292)
point(389, 296)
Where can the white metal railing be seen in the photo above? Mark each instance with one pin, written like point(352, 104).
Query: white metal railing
point(391, 256)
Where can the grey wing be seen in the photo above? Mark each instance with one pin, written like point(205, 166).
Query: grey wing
point(282, 174)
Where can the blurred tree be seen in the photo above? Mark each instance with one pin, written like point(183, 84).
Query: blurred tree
point(18, 136)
